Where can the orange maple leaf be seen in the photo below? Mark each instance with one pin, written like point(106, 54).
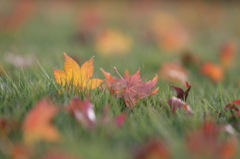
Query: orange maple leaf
point(76, 75)
point(37, 125)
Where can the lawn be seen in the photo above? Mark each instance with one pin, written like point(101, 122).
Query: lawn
point(31, 51)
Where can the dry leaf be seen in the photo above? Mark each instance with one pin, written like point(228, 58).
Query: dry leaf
point(113, 42)
point(37, 123)
point(21, 12)
point(131, 88)
point(83, 112)
point(228, 53)
point(153, 149)
point(176, 103)
point(215, 72)
point(174, 72)
point(232, 105)
point(170, 33)
point(182, 94)
point(206, 143)
point(76, 75)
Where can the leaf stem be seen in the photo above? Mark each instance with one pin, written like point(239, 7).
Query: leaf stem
point(120, 76)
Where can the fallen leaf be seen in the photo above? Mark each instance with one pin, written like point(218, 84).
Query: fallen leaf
point(131, 88)
point(176, 103)
point(83, 112)
point(120, 119)
point(228, 53)
point(37, 123)
point(170, 33)
point(153, 149)
point(215, 72)
point(180, 93)
point(76, 75)
point(174, 72)
point(232, 105)
point(7, 126)
point(206, 142)
point(20, 13)
point(113, 42)
point(189, 58)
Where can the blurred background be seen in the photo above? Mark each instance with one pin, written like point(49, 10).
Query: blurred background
point(124, 34)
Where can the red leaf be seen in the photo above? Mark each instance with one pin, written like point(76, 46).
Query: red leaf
point(120, 119)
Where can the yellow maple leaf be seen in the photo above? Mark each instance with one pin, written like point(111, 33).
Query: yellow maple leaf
point(76, 75)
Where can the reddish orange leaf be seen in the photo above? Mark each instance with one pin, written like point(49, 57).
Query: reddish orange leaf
point(131, 88)
point(228, 54)
point(215, 72)
point(37, 124)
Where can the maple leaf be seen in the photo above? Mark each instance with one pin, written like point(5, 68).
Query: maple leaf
point(180, 93)
point(131, 88)
point(175, 103)
point(37, 124)
point(76, 75)
point(206, 142)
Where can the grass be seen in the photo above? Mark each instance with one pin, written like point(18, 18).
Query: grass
point(46, 39)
